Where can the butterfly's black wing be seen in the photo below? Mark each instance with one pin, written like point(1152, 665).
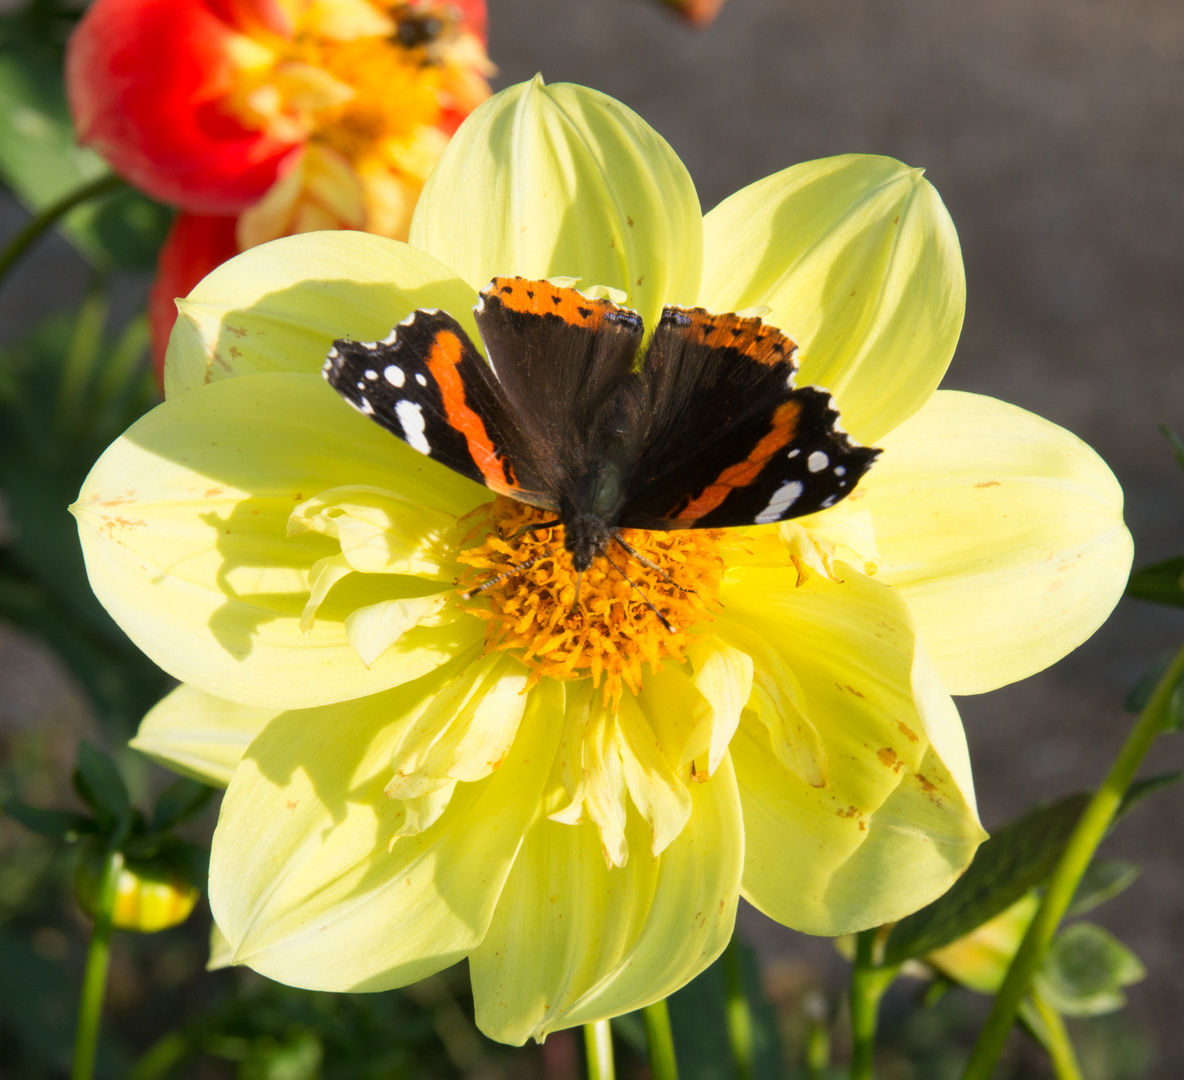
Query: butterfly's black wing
point(562, 359)
point(730, 440)
point(426, 383)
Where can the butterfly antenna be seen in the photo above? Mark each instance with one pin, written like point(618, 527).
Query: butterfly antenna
point(521, 568)
point(644, 599)
point(649, 564)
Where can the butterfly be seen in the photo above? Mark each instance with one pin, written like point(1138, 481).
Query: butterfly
point(706, 429)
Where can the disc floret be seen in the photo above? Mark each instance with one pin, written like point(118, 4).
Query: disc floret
point(605, 623)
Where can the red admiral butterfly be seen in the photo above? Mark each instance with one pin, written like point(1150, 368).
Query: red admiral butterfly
point(707, 432)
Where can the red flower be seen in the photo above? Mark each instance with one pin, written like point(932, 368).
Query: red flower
point(293, 115)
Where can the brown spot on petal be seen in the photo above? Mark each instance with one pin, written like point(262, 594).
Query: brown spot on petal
point(906, 731)
point(988, 483)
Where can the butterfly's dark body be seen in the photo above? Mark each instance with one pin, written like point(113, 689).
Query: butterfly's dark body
point(707, 431)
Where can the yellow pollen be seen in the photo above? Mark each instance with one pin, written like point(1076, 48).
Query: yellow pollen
point(609, 632)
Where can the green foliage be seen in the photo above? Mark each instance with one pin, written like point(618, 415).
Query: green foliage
point(1136, 701)
point(1085, 970)
point(1161, 583)
point(69, 391)
point(39, 159)
point(97, 781)
point(700, 1035)
point(1017, 857)
point(1103, 880)
point(180, 801)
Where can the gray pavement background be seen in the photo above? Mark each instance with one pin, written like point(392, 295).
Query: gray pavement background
point(1055, 133)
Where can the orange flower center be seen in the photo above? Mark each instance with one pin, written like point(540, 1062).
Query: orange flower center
point(621, 613)
point(371, 88)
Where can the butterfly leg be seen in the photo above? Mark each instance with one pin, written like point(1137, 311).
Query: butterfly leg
point(521, 568)
point(649, 565)
point(644, 599)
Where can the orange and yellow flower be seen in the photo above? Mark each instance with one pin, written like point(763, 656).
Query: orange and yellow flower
point(262, 118)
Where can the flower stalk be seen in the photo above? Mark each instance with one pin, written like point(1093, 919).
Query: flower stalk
point(869, 980)
point(660, 1041)
point(1091, 829)
point(31, 233)
point(94, 980)
point(598, 1047)
point(1057, 1041)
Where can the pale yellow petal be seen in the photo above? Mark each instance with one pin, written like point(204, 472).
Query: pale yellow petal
point(373, 629)
point(894, 824)
point(382, 532)
point(308, 879)
point(723, 676)
point(777, 701)
point(1003, 532)
point(859, 262)
point(658, 792)
point(183, 523)
point(198, 735)
point(574, 940)
point(280, 306)
point(546, 181)
point(423, 811)
point(463, 732)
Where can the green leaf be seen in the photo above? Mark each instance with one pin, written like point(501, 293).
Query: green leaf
point(178, 802)
point(1161, 583)
point(98, 781)
point(1149, 785)
point(1176, 441)
point(1018, 857)
point(43, 582)
point(700, 1033)
point(1103, 880)
point(56, 824)
point(1085, 970)
point(41, 163)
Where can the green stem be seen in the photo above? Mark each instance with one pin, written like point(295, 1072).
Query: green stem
point(24, 239)
point(660, 1041)
point(737, 1014)
point(868, 982)
point(1091, 829)
point(94, 981)
point(1058, 1044)
point(598, 1046)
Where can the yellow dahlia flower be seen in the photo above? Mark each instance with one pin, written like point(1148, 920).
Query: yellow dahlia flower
point(414, 777)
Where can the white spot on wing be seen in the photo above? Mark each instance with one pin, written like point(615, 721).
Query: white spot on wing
point(366, 407)
point(783, 498)
point(410, 415)
point(371, 374)
point(333, 353)
point(390, 338)
point(408, 321)
point(817, 461)
point(793, 453)
point(394, 375)
point(419, 378)
point(840, 470)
